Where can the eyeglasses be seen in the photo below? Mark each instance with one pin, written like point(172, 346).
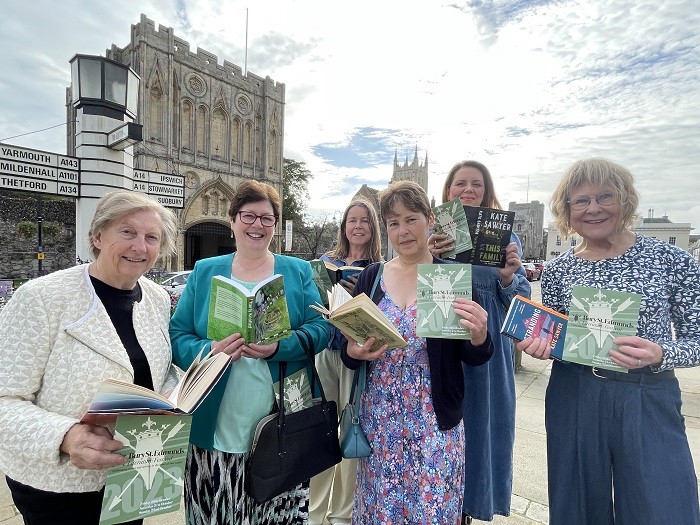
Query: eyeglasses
point(248, 217)
point(582, 202)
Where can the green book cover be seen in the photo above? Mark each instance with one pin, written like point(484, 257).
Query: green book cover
point(151, 480)
point(438, 286)
point(260, 315)
point(451, 220)
point(297, 391)
point(321, 279)
point(596, 317)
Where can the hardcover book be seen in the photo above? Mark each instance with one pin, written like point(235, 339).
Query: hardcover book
point(490, 231)
point(596, 317)
point(260, 316)
point(151, 480)
point(438, 286)
point(114, 397)
point(359, 318)
point(451, 220)
point(526, 318)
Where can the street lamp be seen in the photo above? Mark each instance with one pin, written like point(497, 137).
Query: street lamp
point(104, 87)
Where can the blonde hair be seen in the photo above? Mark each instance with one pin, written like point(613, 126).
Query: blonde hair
point(601, 173)
point(374, 246)
point(117, 204)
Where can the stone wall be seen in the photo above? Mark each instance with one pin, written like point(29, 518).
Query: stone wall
point(18, 255)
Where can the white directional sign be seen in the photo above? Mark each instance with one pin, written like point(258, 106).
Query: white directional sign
point(23, 169)
point(169, 189)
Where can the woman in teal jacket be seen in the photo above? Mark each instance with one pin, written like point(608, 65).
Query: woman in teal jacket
point(223, 426)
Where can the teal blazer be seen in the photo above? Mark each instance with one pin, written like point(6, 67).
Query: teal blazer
point(188, 329)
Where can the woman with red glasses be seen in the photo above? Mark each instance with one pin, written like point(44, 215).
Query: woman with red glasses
point(223, 426)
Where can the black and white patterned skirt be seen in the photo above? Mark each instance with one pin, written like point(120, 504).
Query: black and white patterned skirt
point(214, 494)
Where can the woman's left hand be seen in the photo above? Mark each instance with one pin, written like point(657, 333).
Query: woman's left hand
point(474, 318)
point(512, 264)
point(349, 283)
point(259, 351)
point(636, 352)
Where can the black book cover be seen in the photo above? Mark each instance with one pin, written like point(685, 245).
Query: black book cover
point(490, 230)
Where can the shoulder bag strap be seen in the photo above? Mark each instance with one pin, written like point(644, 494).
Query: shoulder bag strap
point(359, 379)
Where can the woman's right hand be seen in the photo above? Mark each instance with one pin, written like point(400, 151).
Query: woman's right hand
point(91, 446)
point(536, 347)
point(439, 243)
point(363, 352)
point(232, 345)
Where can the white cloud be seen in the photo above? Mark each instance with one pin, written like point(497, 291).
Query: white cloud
point(526, 87)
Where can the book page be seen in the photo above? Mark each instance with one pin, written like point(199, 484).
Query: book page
point(228, 306)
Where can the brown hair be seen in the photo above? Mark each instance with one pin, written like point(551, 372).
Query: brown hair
point(374, 246)
point(117, 204)
point(254, 191)
point(405, 192)
point(490, 200)
point(597, 172)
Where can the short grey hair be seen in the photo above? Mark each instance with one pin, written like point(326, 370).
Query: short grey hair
point(117, 204)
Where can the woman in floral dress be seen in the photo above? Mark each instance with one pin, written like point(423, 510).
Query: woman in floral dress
point(412, 404)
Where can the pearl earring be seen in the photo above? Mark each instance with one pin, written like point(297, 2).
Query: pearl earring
point(232, 234)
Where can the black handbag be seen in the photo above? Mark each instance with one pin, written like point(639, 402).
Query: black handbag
point(289, 448)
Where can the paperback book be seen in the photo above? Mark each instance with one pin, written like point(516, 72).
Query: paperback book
point(297, 391)
point(596, 317)
point(490, 231)
point(322, 279)
point(526, 318)
point(341, 273)
point(114, 397)
point(438, 286)
point(151, 480)
point(260, 315)
point(451, 220)
point(359, 318)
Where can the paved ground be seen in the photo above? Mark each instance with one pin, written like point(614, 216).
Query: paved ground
point(529, 503)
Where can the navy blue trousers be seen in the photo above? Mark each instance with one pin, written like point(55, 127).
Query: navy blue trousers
point(617, 451)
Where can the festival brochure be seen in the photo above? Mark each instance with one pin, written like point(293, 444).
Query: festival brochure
point(115, 397)
point(260, 315)
point(438, 286)
point(451, 220)
point(490, 231)
point(151, 480)
point(596, 317)
point(359, 318)
point(526, 318)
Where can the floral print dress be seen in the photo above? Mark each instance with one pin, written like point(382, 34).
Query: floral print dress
point(415, 473)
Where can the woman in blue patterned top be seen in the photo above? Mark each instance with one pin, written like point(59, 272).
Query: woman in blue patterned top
point(489, 390)
point(616, 443)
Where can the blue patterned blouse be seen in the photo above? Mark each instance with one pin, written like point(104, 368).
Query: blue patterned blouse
point(668, 279)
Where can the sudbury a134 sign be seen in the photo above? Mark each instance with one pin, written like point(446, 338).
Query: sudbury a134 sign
point(23, 169)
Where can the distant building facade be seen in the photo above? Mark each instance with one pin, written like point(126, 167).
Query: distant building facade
point(416, 172)
point(662, 228)
point(213, 124)
point(529, 227)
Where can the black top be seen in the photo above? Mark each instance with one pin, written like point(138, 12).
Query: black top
point(120, 306)
point(445, 358)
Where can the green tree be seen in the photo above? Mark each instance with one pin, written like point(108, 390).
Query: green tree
point(295, 189)
point(316, 236)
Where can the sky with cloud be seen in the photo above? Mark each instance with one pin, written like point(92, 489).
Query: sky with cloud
point(525, 86)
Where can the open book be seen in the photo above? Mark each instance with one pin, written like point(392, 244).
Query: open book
point(115, 397)
point(359, 318)
point(340, 273)
point(260, 316)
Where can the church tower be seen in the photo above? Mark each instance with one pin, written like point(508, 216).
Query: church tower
point(414, 171)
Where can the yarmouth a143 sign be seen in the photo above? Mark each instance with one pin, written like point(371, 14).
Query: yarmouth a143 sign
point(23, 169)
